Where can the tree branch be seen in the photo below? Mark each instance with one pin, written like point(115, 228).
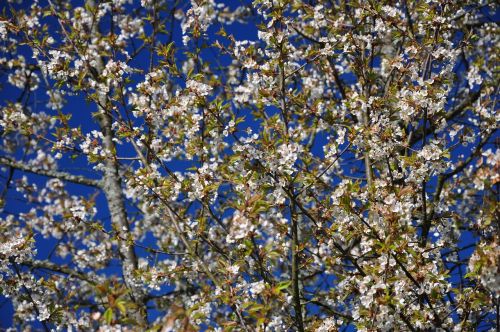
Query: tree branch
point(444, 177)
point(78, 179)
point(46, 265)
point(295, 268)
point(456, 111)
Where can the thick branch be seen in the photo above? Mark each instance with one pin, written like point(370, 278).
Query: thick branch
point(112, 187)
point(295, 268)
point(46, 265)
point(50, 173)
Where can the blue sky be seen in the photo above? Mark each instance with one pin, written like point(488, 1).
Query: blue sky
point(81, 112)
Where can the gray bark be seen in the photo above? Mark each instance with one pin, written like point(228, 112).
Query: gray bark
point(112, 187)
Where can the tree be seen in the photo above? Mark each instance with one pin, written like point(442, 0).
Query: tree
point(250, 166)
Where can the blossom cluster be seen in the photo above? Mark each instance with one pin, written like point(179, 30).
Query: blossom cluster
point(162, 169)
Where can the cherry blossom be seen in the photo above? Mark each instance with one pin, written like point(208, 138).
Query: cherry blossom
point(259, 165)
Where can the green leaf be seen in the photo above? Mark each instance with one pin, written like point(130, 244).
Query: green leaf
point(121, 306)
point(283, 285)
point(256, 307)
point(108, 316)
